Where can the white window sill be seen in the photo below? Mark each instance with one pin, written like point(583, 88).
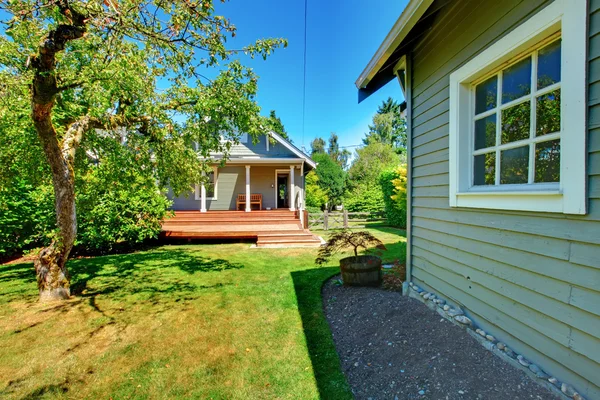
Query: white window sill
point(538, 201)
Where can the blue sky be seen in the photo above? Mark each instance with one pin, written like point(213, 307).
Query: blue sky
point(342, 37)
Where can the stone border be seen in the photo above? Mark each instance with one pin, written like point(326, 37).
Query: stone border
point(458, 317)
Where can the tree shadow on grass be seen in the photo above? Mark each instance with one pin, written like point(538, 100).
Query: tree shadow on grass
point(147, 272)
point(152, 274)
point(331, 382)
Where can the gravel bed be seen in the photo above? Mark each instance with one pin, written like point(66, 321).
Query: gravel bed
point(394, 347)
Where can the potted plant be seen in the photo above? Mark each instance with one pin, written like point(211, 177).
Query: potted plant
point(363, 270)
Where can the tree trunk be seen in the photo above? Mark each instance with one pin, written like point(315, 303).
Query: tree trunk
point(50, 267)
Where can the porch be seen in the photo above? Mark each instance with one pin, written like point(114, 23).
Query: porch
point(270, 228)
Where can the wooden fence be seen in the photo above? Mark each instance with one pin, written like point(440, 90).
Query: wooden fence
point(341, 220)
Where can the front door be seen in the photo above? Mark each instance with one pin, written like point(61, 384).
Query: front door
point(282, 191)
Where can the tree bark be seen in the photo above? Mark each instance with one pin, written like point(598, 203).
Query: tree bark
point(51, 271)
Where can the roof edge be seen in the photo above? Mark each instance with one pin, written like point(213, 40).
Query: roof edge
point(413, 11)
point(293, 148)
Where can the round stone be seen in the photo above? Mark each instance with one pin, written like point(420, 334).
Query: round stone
point(490, 338)
point(567, 389)
point(510, 353)
point(501, 345)
point(523, 361)
point(577, 396)
point(463, 320)
point(446, 307)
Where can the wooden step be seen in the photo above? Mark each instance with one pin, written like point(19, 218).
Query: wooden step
point(226, 222)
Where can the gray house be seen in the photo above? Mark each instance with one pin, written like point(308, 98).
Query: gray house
point(503, 112)
point(268, 174)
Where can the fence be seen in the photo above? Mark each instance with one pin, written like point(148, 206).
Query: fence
point(342, 220)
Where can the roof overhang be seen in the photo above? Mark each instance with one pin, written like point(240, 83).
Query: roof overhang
point(293, 149)
point(407, 21)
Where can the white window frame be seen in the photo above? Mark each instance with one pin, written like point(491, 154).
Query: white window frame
point(198, 187)
point(569, 17)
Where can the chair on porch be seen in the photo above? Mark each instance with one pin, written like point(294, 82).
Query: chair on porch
point(255, 198)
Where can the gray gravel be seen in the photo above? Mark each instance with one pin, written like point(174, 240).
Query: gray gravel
point(394, 347)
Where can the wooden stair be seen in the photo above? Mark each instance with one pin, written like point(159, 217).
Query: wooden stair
point(273, 228)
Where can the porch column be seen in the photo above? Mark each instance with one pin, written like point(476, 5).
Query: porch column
point(248, 207)
point(203, 198)
point(292, 190)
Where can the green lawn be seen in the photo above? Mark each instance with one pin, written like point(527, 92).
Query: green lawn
point(195, 321)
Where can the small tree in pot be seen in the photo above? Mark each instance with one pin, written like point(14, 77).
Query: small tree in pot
point(358, 270)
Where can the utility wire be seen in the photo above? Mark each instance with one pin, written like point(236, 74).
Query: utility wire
point(304, 72)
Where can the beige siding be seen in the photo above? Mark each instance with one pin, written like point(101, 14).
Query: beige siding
point(533, 279)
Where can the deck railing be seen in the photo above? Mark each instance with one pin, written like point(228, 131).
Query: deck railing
point(343, 220)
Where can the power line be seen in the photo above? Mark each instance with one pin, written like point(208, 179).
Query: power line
point(304, 72)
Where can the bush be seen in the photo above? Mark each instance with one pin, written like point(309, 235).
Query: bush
point(393, 185)
point(364, 199)
point(117, 207)
point(316, 196)
point(26, 216)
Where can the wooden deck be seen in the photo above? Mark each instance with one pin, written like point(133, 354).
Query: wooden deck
point(274, 228)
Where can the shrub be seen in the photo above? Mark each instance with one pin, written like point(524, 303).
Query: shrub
point(364, 198)
point(121, 210)
point(393, 185)
point(26, 216)
point(316, 196)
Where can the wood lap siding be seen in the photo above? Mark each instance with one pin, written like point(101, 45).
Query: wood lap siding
point(532, 279)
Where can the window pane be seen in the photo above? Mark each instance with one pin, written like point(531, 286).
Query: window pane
point(484, 169)
point(485, 95)
point(516, 81)
point(516, 122)
point(210, 186)
point(547, 161)
point(548, 113)
point(485, 132)
point(514, 165)
point(548, 65)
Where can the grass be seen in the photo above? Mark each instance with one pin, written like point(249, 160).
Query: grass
point(195, 321)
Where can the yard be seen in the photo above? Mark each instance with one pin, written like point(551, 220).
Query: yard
point(193, 321)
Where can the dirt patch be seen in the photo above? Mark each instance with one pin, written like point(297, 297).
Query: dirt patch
point(394, 347)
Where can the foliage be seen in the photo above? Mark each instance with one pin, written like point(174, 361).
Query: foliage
point(273, 122)
point(393, 185)
point(370, 161)
point(339, 156)
point(347, 239)
point(26, 216)
point(136, 71)
point(317, 146)
point(316, 196)
point(117, 203)
point(331, 178)
point(364, 198)
point(388, 126)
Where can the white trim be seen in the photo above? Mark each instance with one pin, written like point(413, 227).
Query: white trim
point(413, 11)
point(570, 18)
point(276, 188)
point(197, 191)
point(293, 149)
point(248, 191)
point(268, 139)
point(258, 161)
point(292, 193)
point(401, 66)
